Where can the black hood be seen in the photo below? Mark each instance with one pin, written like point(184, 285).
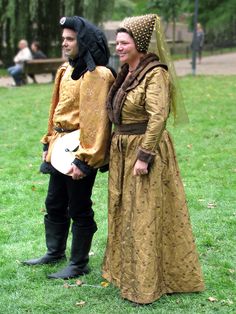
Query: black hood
point(92, 45)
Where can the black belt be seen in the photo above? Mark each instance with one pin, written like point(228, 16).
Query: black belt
point(61, 130)
point(129, 129)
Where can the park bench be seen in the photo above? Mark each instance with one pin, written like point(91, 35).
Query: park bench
point(41, 66)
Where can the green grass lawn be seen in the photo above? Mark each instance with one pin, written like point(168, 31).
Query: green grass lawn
point(206, 150)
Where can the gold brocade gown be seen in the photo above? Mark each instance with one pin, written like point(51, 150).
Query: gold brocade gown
point(150, 248)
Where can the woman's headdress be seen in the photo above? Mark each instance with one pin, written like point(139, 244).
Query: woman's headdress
point(142, 29)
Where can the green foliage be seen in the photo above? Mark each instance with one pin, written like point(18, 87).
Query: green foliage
point(218, 18)
point(98, 10)
point(122, 9)
point(141, 7)
point(206, 154)
point(168, 9)
point(3, 72)
point(37, 19)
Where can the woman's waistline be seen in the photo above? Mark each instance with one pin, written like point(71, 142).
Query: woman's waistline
point(130, 129)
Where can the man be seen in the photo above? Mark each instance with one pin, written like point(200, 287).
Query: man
point(78, 102)
point(23, 55)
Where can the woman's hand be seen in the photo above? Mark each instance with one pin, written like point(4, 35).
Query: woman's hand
point(140, 168)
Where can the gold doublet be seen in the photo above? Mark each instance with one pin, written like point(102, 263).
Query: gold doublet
point(80, 104)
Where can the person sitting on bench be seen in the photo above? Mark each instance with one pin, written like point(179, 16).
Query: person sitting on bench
point(16, 71)
point(37, 54)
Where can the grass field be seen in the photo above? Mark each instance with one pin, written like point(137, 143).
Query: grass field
point(206, 150)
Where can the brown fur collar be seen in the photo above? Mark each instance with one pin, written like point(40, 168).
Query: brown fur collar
point(122, 85)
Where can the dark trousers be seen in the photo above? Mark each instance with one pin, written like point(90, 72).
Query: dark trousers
point(68, 198)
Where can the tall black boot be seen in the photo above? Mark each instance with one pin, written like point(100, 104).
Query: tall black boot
point(56, 237)
point(81, 244)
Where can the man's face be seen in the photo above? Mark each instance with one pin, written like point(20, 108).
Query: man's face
point(69, 43)
point(22, 44)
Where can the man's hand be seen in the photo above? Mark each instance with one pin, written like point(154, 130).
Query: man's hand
point(76, 173)
point(140, 168)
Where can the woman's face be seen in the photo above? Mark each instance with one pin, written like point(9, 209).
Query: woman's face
point(126, 49)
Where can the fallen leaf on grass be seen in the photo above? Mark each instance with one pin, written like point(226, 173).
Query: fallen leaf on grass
point(227, 302)
point(232, 271)
point(80, 303)
point(211, 205)
point(104, 284)
point(79, 282)
point(212, 299)
point(71, 285)
point(91, 253)
point(190, 146)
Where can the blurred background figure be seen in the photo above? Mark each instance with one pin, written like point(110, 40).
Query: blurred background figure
point(199, 41)
point(23, 55)
point(37, 53)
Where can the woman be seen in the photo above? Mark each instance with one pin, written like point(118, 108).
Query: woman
point(200, 41)
point(150, 248)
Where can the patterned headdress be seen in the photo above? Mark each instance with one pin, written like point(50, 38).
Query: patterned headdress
point(141, 28)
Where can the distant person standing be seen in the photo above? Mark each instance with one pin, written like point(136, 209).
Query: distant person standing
point(37, 54)
point(199, 41)
point(24, 54)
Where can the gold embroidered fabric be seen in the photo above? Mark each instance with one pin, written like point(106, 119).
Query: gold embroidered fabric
point(150, 249)
point(80, 104)
point(141, 105)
